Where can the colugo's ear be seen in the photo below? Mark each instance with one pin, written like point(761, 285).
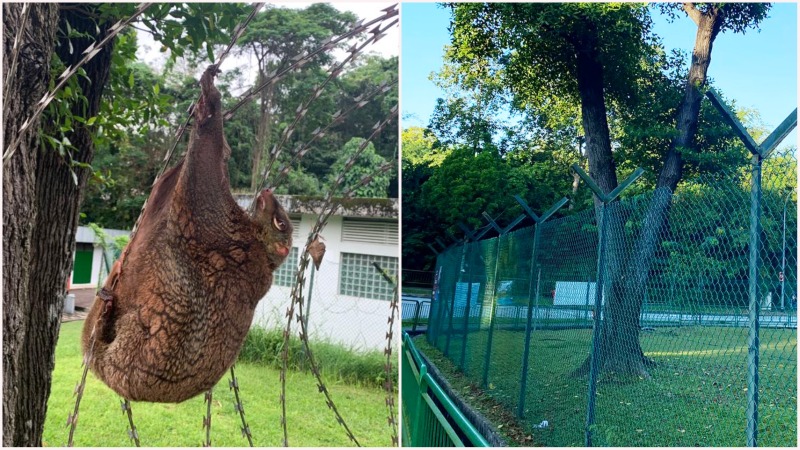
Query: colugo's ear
point(261, 202)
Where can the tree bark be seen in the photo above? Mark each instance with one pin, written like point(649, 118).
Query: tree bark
point(57, 201)
point(593, 110)
point(619, 348)
point(708, 26)
point(263, 134)
point(638, 270)
point(24, 87)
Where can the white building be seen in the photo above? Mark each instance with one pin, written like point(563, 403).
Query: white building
point(348, 302)
point(87, 261)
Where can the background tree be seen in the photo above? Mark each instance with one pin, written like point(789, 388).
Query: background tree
point(365, 164)
point(422, 154)
point(711, 19)
point(274, 37)
point(602, 61)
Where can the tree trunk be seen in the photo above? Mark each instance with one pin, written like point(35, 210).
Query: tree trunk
point(24, 87)
point(619, 338)
point(58, 199)
point(593, 110)
point(638, 270)
point(263, 134)
point(619, 348)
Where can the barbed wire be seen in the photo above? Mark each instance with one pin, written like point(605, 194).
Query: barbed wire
point(338, 117)
point(328, 208)
point(89, 53)
point(388, 385)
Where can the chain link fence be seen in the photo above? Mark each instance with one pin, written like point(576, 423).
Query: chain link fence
point(674, 337)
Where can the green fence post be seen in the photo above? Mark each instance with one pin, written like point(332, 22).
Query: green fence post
point(487, 357)
point(467, 254)
point(760, 153)
point(450, 318)
point(595, 355)
point(417, 440)
point(752, 337)
point(528, 327)
point(416, 316)
point(598, 322)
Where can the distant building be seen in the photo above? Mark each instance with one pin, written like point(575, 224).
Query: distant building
point(88, 257)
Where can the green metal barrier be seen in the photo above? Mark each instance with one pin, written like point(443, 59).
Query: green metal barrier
point(430, 418)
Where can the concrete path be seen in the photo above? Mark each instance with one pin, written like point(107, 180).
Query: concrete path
point(83, 301)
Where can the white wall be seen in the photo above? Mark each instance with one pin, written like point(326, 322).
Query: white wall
point(358, 323)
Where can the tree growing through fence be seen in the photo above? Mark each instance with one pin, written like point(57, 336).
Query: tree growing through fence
point(555, 56)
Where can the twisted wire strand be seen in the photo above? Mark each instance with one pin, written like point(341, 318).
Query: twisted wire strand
point(89, 53)
point(330, 206)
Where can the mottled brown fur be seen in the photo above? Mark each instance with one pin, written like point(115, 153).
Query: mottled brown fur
point(192, 275)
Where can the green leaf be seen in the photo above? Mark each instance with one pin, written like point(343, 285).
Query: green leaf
point(130, 80)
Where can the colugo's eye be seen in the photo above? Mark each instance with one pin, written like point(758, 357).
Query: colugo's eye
point(279, 224)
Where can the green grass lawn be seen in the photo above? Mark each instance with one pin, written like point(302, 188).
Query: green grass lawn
point(696, 395)
point(310, 422)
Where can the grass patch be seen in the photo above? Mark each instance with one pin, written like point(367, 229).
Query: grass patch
point(697, 393)
point(336, 363)
point(310, 422)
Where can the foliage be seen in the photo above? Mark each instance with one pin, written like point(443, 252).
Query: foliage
point(143, 109)
point(351, 173)
point(275, 38)
point(422, 153)
point(530, 48)
point(339, 364)
point(736, 17)
point(421, 149)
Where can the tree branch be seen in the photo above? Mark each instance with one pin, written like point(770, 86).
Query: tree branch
point(693, 12)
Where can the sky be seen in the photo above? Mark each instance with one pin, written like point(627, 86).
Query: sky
point(757, 69)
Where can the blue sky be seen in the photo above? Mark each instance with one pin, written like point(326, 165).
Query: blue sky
point(757, 69)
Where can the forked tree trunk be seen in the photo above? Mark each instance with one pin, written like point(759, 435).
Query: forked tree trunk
point(619, 347)
point(24, 87)
point(57, 200)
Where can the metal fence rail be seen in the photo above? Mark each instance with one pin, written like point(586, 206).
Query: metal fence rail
point(430, 418)
point(705, 344)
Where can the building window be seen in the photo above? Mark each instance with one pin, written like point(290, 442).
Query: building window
point(359, 278)
point(285, 275)
point(369, 231)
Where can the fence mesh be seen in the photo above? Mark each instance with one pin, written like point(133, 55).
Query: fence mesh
point(516, 314)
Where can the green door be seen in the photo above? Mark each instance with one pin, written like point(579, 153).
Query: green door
point(82, 270)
